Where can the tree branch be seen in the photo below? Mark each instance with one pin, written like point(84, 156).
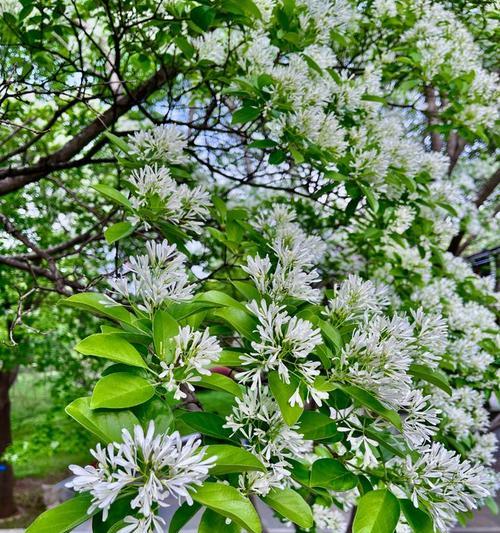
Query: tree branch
point(432, 116)
point(488, 188)
point(11, 180)
point(484, 193)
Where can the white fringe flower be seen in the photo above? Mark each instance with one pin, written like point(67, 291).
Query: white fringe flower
point(164, 143)
point(151, 467)
point(157, 277)
point(258, 420)
point(192, 353)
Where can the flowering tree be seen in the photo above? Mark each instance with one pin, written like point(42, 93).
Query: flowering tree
point(283, 283)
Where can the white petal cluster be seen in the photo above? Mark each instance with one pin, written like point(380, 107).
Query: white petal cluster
point(471, 360)
point(444, 483)
point(157, 277)
point(191, 355)
point(291, 271)
point(258, 420)
point(378, 357)
point(446, 46)
point(214, 46)
point(421, 420)
point(147, 466)
point(164, 144)
point(484, 449)
point(431, 333)
point(143, 524)
point(328, 519)
point(285, 345)
point(155, 190)
point(403, 217)
point(463, 413)
point(355, 297)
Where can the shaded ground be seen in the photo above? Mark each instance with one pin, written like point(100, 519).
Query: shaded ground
point(29, 496)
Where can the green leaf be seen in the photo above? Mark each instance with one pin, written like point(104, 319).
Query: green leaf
point(220, 299)
point(112, 347)
point(228, 358)
point(431, 375)
point(374, 98)
point(240, 320)
point(187, 48)
point(245, 114)
point(164, 328)
point(159, 412)
point(332, 474)
point(331, 333)
point(242, 7)
point(203, 16)
point(101, 305)
point(378, 512)
point(118, 231)
point(262, 143)
point(106, 425)
point(220, 382)
point(277, 157)
point(387, 441)
point(367, 399)
point(232, 459)
point(112, 194)
point(317, 426)
point(118, 142)
point(300, 472)
point(417, 519)
point(212, 522)
point(229, 502)
point(207, 424)
point(247, 289)
point(118, 510)
point(370, 197)
point(492, 505)
point(282, 393)
point(291, 506)
point(182, 516)
point(65, 517)
point(120, 390)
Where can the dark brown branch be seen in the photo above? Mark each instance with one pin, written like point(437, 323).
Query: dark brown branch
point(455, 146)
point(432, 117)
point(484, 193)
point(62, 288)
point(11, 180)
point(488, 188)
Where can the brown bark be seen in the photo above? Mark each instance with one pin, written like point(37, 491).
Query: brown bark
point(455, 147)
point(12, 179)
point(488, 188)
point(432, 117)
point(7, 504)
point(351, 520)
point(484, 193)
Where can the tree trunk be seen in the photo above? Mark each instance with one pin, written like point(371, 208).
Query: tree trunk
point(351, 520)
point(8, 506)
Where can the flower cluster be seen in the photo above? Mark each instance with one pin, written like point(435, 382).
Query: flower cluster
point(257, 419)
point(162, 143)
point(295, 253)
point(146, 466)
point(444, 483)
point(285, 345)
point(157, 196)
point(157, 277)
point(189, 354)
